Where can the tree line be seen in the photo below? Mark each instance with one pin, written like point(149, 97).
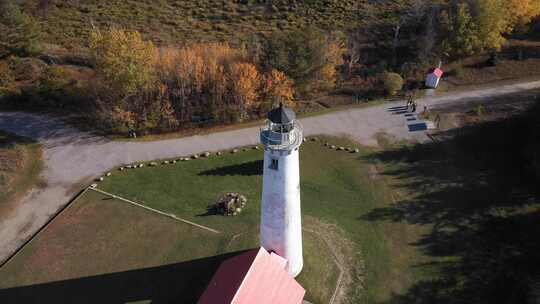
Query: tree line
point(150, 88)
point(412, 31)
point(143, 87)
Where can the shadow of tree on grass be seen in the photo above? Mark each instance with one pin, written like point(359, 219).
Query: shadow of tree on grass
point(247, 169)
point(477, 193)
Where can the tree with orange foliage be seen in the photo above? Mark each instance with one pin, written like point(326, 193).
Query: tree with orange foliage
point(245, 83)
point(221, 52)
point(153, 89)
point(278, 88)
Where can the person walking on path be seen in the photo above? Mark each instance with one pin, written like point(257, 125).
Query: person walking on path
point(410, 100)
point(438, 120)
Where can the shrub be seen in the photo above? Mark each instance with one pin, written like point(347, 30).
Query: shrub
point(116, 119)
point(459, 71)
point(6, 77)
point(27, 69)
point(479, 110)
point(392, 82)
point(53, 82)
point(19, 32)
point(229, 204)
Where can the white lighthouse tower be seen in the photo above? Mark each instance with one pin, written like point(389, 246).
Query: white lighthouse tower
point(281, 227)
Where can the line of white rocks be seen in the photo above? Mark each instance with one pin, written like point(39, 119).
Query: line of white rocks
point(207, 155)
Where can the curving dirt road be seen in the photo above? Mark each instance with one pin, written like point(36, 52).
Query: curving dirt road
point(73, 158)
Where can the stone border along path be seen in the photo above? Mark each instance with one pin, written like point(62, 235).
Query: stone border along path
point(73, 157)
point(169, 215)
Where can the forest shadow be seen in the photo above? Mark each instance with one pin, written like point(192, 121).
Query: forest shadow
point(9, 140)
point(182, 282)
point(251, 168)
point(477, 192)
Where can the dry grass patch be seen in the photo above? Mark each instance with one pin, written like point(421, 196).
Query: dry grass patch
point(20, 165)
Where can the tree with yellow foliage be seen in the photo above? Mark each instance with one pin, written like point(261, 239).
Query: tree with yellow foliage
point(124, 60)
point(461, 33)
point(481, 25)
point(495, 18)
point(521, 12)
point(492, 22)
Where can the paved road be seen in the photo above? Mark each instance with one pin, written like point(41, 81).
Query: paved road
point(73, 158)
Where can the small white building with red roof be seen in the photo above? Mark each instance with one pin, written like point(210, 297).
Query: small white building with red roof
point(255, 276)
point(434, 77)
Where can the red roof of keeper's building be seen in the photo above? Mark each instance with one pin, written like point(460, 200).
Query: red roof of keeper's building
point(255, 276)
point(437, 71)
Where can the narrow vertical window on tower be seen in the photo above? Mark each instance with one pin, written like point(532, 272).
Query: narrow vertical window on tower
point(274, 164)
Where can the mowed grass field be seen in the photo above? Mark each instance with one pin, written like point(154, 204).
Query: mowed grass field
point(338, 188)
point(102, 240)
point(20, 166)
point(102, 250)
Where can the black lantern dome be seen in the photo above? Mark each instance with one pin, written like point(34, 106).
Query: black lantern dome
point(281, 115)
point(282, 131)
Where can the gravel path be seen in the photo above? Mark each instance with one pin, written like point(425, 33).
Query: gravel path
point(73, 158)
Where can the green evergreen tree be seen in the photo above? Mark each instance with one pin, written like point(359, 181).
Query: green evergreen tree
point(301, 54)
point(19, 33)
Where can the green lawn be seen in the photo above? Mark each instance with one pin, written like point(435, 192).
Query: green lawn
point(20, 166)
point(339, 191)
point(105, 250)
point(453, 221)
point(337, 188)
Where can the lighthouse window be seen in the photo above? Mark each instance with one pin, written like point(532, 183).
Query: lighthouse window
point(274, 164)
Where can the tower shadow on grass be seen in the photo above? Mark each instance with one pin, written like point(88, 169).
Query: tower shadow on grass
point(251, 168)
point(478, 197)
point(182, 282)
